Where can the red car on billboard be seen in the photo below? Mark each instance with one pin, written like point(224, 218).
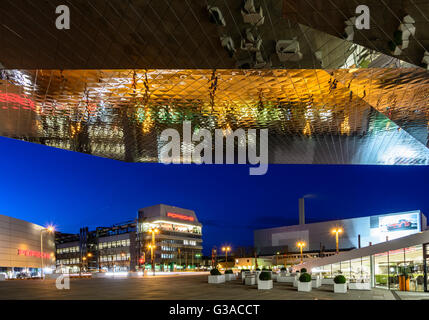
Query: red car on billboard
point(401, 224)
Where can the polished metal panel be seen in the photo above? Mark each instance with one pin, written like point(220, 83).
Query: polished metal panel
point(313, 115)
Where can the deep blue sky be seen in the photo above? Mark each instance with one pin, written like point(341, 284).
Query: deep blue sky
point(71, 190)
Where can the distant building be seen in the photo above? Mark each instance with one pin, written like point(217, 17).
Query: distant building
point(24, 247)
point(357, 232)
point(124, 246)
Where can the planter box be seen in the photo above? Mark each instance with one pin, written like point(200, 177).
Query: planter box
point(304, 286)
point(257, 276)
point(243, 275)
point(290, 279)
point(265, 284)
point(281, 278)
point(328, 281)
point(274, 276)
point(340, 287)
point(229, 277)
point(250, 280)
point(296, 280)
point(52, 275)
point(360, 286)
point(2, 277)
point(217, 279)
point(316, 283)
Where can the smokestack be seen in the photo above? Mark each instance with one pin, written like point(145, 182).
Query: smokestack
point(301, 211)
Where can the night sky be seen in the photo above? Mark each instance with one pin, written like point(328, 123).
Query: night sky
point(47, 185)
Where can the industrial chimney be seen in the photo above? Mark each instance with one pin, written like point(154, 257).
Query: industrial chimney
point(301, 211)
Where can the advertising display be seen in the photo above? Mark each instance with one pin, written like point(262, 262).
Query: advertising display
point(394, 226)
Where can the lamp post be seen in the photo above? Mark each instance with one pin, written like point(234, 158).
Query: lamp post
point(153, 231)
point(152, 247)
point(226, 249)
point(301, 244)
point(337, 231)
point(49, 229)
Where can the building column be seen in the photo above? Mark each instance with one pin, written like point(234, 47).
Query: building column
point(372, 271)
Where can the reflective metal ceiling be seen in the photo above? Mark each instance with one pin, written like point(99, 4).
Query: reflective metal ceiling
point(313, 116)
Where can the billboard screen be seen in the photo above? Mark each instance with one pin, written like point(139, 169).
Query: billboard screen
point(394, 226)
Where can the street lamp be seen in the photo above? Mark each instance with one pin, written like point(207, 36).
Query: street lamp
point(301, 244)
point(49, 229)
point(152, 247)
point(226, 249)
point(153, 231)
point(337, 231)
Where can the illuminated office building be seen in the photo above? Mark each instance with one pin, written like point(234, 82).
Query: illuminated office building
point(179, 239)
point(124, 246)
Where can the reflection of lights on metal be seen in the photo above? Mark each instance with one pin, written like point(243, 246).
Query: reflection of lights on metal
point(16, 99)
point(398, 153)
point(345, 127)
point(307, 129)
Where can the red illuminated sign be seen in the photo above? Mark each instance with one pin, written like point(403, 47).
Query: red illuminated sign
point(31, 253)
point(179, 216)
point(15, 98)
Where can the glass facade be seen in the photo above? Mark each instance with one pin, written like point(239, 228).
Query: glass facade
point(402, 269)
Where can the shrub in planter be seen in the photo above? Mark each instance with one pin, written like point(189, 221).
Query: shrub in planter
point(264, 276)
point(216, 277)
point(243, 273)
point(257, 269)
point(303, 270)
point(305, 277)
point(265, 281)
point(229, 275)
point(283, 269)
point(340, 285)
point(304, 283)
point(340, 279)
point(215, 272)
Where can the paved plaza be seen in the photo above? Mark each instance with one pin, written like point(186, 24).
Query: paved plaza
point(178, 287)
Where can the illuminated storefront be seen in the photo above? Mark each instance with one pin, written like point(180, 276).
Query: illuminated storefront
point(400, 264)
point(25, 248)
point(178, 239)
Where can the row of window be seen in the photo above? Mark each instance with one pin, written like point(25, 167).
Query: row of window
point(68, 249)
point(167, 255)
point(68, 261)
point(190, 242)
point(114, 244)
point(165, 248)
point(115, 257)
